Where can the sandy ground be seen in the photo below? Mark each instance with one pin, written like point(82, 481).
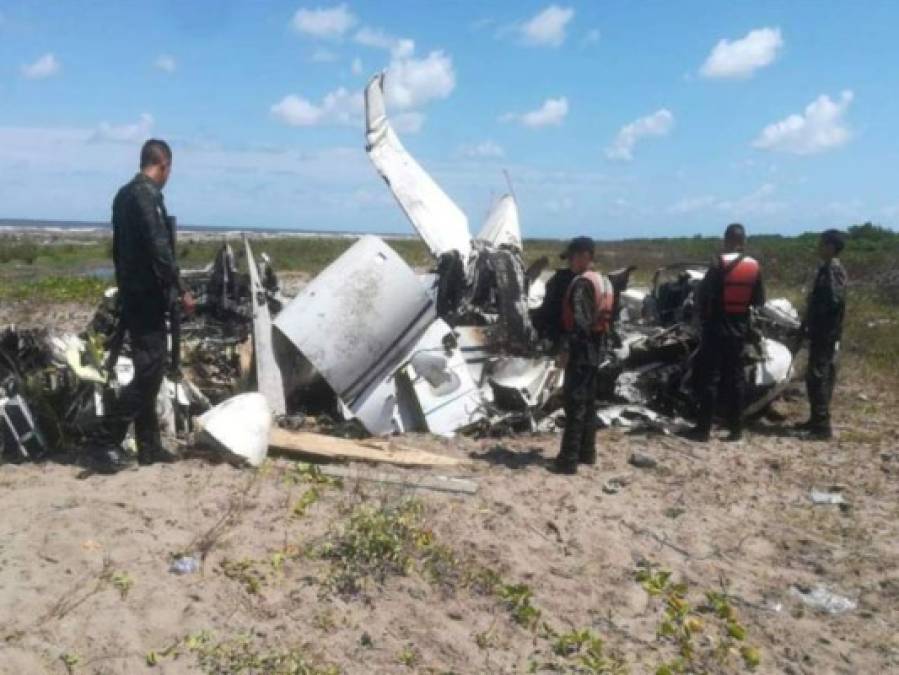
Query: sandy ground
point(84, 561)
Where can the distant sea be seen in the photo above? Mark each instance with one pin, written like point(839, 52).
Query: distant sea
point(86, 227)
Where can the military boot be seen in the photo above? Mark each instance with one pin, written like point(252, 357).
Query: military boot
point(564, 465)
point(110, 459)
point(155, 454)
point(587, 456)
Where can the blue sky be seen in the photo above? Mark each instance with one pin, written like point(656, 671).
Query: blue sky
point(613, 119)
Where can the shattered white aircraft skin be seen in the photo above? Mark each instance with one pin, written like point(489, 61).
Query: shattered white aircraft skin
point(373, 330)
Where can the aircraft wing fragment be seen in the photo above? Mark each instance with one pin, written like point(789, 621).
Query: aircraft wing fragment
point(436, 218)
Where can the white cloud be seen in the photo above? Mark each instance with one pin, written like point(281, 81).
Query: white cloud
point(327, 23)
point(166, 63)
point(741, 58)
point(692, 204)
point(821, 127)
point(337, 107)
point(323, 56)
point(124, 133)
point(412, 82)
point(408, 122)
point(484, 150)
point(45, 66)
point(378, 39)
point(659, 123)
point(356, 67)
point(547, 29)
point(551, 113)
point(760, 202)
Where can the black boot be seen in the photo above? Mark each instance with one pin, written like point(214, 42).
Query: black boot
point(804, 426)
point(155, 454)
point(697, 434)
point(734, 436)
point(564, 464)
point(587, 456)
point(817, 433)
point(110, 459)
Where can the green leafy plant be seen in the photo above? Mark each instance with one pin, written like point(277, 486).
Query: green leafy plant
point(246, 572)
point(307, 499)
point(122, 582)
point(375, 543)
point(517, 598)
point(240, 656)
point(680, 623)
point(409, 656)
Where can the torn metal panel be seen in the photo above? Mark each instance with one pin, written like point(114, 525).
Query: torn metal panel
point(501, 228)
point(268, 374)
point(474, 344)
point(437, 377)
point(357, 320)
point(522, 383)
point(436, 218)
point(379, 409)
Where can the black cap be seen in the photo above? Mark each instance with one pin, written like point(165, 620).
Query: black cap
point(835, 238)
point(577, 245)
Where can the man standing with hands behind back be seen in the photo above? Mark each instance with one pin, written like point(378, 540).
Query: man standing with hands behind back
point(149, 285)
point(823, 326)
point(585, 318)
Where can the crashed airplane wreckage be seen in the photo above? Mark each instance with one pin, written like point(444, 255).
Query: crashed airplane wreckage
point(456, 349)
point(373, 342)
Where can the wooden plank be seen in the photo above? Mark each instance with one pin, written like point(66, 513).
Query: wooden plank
point(268, 374)
point(309, 445)
point(437, 483)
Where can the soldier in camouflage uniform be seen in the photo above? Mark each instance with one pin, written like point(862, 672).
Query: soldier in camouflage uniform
point(149, 285)
point(582, 347)
point(823, 326)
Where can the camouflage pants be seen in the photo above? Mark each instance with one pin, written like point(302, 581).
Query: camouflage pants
point(579, 393)
point(820, 378)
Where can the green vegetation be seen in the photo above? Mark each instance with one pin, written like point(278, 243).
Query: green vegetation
point(122, 582)
point(240, 656)
point(723, 637)
point(586, 651)
point(517, 598)
point(88, 290)
point(378, 541)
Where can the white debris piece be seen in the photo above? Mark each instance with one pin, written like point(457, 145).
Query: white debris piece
point(825, 600)
point(824, 497)
point(782, 312)
point(241, 425)
point(502, 227)
point(777, 366)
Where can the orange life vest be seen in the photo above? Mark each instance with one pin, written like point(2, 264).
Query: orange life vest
point(740, 275)
point(603, 296)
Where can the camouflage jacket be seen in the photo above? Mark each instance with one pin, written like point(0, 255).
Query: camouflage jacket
point(827, 303)
point(584, 346)
point(143, 241)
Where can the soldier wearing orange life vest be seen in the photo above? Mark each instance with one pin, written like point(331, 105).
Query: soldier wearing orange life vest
point(585, 318)
point(731, 287)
